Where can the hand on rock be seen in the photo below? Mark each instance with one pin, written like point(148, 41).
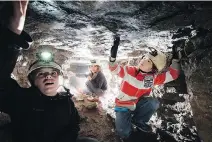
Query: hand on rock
point(177, 54)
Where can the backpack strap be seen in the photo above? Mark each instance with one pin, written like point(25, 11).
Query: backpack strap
point(68, 91)
point(65, 92)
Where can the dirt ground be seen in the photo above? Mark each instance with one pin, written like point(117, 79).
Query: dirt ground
point(95, 122)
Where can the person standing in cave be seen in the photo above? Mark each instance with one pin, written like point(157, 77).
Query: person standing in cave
point(96, 85)
point(38, 113)
point(134, 104)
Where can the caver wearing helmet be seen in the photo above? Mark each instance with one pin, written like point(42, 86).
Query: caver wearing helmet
point(44, 73)
point(95, 66)
point(134, 102)
point(96, 84)
point(153, 61)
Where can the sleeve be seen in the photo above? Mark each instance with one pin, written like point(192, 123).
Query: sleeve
point(11, 45)
point(171, 74)
point(117, 69)
point(100, 80)
point(71, 132)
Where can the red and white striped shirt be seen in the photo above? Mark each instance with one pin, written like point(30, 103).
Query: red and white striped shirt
point(136, 84)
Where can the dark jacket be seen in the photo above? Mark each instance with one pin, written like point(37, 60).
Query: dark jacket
point(34, 117)
point(99, 80)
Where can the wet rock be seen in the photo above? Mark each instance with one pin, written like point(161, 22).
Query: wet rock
point(91, 105)
point(197, 67)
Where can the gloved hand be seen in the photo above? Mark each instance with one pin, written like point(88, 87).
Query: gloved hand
point(114, 48)
point(177, 54)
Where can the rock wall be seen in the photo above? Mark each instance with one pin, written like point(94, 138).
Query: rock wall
point(197, 67)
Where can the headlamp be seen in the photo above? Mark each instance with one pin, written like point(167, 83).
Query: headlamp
point(45, 56)
point(93, 61)
point(153, 51)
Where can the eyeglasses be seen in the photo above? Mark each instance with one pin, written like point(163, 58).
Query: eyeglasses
point(44, 74)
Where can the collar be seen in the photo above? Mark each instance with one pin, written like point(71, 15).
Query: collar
point(60, 95)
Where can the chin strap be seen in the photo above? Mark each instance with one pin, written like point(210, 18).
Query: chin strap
point(151, 72)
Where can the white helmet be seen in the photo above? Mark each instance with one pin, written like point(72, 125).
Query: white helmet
point(158, 59)
point(95, 62)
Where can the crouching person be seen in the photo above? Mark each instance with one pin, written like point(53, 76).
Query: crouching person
point(134, 103)
point(38, 113)
point(96, 85)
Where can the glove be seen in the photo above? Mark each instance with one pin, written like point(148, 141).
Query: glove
point(114, 48)
point(177, 54)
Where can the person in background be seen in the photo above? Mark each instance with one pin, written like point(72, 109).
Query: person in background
point(96, 83)
point(134, 103)
point(39, 113)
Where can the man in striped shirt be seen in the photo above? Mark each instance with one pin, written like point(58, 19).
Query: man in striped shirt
point(134, 102)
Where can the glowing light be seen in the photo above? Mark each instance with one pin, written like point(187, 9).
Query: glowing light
point(46, 55)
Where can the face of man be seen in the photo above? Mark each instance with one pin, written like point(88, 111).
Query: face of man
point(47, 81)
point(94, 68)
point(145, 64)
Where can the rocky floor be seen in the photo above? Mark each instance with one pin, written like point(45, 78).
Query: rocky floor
point(95, 122)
